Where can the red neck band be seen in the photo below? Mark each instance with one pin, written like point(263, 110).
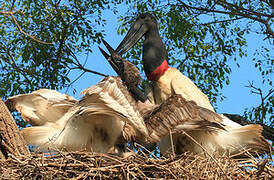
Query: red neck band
point(158, 72)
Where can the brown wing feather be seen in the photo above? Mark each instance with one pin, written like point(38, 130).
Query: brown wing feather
point(158, 122)
point(177, 111)
point(114, 94)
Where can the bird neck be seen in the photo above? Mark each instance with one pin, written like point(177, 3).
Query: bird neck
point(154, 55)
point(158, 72)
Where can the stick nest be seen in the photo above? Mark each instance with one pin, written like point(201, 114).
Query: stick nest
point(84, 165)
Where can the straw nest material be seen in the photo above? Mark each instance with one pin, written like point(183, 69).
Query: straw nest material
point(84, 165)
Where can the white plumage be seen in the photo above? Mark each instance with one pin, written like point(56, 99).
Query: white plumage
point(108, 112)
point(60, 121)
point(233, 139)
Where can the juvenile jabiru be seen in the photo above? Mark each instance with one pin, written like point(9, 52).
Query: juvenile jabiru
point(167, 81)
point(61, 122)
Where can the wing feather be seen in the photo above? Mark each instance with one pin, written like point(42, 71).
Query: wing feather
point(178, 114)
point(81, 128)
point(59, 121)
point(41, 106)
point(113, 94)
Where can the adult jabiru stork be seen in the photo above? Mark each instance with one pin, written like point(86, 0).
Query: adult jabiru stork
point(167, 81)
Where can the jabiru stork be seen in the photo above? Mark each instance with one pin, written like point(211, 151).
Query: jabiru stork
point(167, 81)
point(106, 116)
point(60, 122)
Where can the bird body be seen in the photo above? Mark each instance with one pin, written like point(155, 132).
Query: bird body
point(108, 111)
point(174, 82)
point(167, 81)
point(234, 139)
point(61, 122)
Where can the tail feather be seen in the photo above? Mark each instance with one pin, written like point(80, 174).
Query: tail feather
point(42, 136)
point(240, 139)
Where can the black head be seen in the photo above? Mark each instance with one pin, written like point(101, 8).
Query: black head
point(139, 28)
point(154, 52)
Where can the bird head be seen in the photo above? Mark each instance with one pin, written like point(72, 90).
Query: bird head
point(154, 51)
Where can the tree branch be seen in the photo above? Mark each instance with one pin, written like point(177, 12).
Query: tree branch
point(11, 140)
point(10, 13)
point(248, 14)
point(230, 6)
point(259, 91)
point(223, 21)
point(81, 67)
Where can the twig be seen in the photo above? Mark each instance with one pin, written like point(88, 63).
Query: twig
point(171, 142)
point(144, 148)
point(20, 29)
point(204, 151)
point(81, 67)
point(259, 91)
point(223, 21)
point(261, 167)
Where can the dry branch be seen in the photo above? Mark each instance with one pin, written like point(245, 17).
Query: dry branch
point(11, 141)
point(83, 165)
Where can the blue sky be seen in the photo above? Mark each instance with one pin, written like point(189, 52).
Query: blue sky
point(238, 97)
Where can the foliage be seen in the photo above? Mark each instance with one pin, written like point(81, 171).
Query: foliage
point(38, 40)
point(203, 36)
point(42, 41)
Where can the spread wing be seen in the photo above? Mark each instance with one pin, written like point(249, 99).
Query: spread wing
point(177, 114)
point(156, 123)
point(59, 121)
point(210, 130)
point(78, 129)
point(41, 106)
point(114, 97)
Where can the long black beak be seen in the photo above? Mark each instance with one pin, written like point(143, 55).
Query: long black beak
point(137, 30)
